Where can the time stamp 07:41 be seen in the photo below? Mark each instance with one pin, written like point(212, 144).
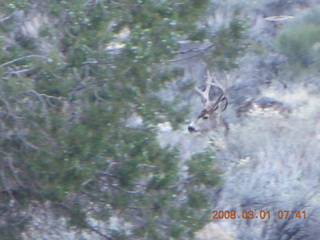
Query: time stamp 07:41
point(250, 214)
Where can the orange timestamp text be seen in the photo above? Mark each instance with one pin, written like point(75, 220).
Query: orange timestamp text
point(261, 214)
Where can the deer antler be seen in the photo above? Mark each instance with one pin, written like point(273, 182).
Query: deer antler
point(207, 97)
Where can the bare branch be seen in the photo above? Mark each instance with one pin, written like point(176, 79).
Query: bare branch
point(98, 232)
point(194, 50)
point(22, 58)
point(6, 18)
point(93, 62)
point(199, 52)
point(7, 189)
point(14, 172)
point(146, 165)
point(278, 18)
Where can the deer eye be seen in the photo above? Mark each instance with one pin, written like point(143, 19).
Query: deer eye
point(205, 117)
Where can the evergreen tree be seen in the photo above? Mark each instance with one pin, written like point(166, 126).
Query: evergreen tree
point(66, 95)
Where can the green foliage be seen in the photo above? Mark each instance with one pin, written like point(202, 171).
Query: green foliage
point(203, 167)
point(77, 216)
point(299, 42)
point(64, 112)
point(10, 233)
point(198, 200)
point(8, 7)
point(228, 44)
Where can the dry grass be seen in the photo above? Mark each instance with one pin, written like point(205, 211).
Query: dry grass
point(277, 169)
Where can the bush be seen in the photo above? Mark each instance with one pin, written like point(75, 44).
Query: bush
point(300, 42)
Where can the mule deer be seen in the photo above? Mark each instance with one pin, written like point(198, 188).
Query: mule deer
point(214, 102)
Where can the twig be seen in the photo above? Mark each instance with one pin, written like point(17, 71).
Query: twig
point(146, 165)
point(96, 94)
point(43, 103)
point(87, 225)
point(97, 231)
point(22, 58)
point(123, 190)
point(40, 94)
point(94, 63)
point(14, 172)
point(7, 189)
point(195, 50)
point(198, 51)
point(6, 18)
point(186, 181)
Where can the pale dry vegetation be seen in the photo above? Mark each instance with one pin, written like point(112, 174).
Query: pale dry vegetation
point(277, 169)
point(109, 108)
point(271, 159)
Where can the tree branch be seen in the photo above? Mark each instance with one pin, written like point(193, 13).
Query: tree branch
point(6, 18)
point(22, 58)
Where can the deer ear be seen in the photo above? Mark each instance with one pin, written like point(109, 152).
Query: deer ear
point(223, 104)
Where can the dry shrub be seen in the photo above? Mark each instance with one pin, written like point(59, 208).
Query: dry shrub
point(277, 168)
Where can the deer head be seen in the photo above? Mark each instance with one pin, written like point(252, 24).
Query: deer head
point(214, 103)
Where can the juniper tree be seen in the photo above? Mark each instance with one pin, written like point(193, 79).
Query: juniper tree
point(66, 95)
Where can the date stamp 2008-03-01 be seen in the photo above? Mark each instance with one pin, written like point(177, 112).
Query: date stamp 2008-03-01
point(261, 214)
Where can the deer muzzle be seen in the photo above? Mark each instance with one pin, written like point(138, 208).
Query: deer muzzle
point(191, 129)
